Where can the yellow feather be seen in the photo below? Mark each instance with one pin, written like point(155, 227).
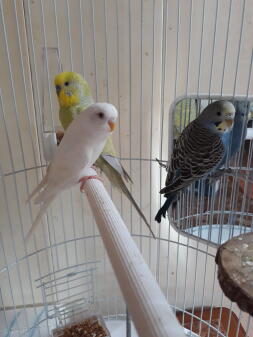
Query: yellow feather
point(66, 100)
point(67, 76)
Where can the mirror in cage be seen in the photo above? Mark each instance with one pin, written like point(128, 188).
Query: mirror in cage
point(219, 207)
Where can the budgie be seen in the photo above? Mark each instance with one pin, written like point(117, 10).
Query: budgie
point(235, 138)
point(74, 95)
point(198, 151)
point(239, 130)
point(80, 147)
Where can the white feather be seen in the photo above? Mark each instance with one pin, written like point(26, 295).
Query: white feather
point(49, 143)
point(79, 149)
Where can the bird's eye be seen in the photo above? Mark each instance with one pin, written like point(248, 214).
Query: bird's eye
point(218, 113)
point(101, 115)
point(66, 83)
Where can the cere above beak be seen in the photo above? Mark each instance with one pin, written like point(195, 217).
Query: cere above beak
point(112, 125)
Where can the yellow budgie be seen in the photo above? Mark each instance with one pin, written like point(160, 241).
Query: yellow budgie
point(74, 95)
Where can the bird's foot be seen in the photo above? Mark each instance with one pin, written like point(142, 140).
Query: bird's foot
point(83, 180)
point(161, 163)
point(226, 170)
point(96, 168)
point(220, 173)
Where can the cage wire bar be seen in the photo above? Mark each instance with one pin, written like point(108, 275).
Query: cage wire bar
point(150, 59)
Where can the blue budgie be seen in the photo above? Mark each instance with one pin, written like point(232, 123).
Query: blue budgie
point(233, 140)
point(239, 131)
point(198, 151)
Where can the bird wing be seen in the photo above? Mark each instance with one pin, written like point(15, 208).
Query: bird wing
point(116, 178)
point(116, 165)
point(109, 148)
point(197, 153)
point(109, 155)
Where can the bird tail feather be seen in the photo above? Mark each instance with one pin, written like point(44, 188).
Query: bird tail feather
point(37, 188)
point(51, 189)
point(45, 194)
point(162, 211)
point(115, 164)
point(42, 210)
point(131, 199)
point(127, 176)
point(116, 179)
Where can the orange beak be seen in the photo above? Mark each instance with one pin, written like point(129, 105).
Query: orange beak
point(112, 125)
point(229, 122)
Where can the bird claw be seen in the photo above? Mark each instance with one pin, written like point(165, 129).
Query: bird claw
point(225, 171)
point(83, 180)
point(160, 162)
point(94, 167)
point(228, 170)
point(220, 172)
point(97, 169)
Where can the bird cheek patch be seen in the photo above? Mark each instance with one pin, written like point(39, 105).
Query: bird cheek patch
point(67, 99)
point(222, 126)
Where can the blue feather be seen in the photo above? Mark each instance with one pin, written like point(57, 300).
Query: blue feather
point(232, 141)
point(198, 152)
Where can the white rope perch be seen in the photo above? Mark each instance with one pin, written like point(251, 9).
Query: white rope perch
point(147, 305)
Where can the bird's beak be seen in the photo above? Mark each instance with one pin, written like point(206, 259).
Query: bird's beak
point(58, 89)
point(229, 122)
point(112, 125)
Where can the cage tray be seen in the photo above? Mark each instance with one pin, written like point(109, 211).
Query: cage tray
point(235, 270)
point(90, 326)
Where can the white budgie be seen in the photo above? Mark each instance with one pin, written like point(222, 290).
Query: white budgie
point(79, 149)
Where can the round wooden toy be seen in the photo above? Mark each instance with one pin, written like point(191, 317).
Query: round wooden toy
point(235, 270)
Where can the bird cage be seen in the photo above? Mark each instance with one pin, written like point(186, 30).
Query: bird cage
point(160, 62)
